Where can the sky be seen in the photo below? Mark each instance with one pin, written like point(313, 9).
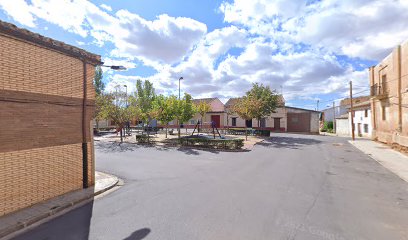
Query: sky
point(308, 50)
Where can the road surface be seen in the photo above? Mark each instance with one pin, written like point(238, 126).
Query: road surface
point(289, 187)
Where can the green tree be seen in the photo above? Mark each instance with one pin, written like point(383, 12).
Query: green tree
point(184, 110)
point(202, 108)
point(145, 95)
point(99, 88)
point(98, 83)
point(269, 100)
point(164, 109)
point(114, 106)
point(247, 108)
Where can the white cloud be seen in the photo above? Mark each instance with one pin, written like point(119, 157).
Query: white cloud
point(357, 28)
point(166, 39)
point(106, 7)
point(19, 10)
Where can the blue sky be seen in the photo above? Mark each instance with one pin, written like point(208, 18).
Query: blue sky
point(309, 50)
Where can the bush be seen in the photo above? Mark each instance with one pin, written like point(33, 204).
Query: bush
point(141, 138)
point(327, 127)
point(213, 143)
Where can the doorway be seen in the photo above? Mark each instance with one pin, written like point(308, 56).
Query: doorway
point(276, 124)
point(216, 119)
point(248, 123)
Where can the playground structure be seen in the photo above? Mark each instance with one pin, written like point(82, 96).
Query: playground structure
point(208, 127)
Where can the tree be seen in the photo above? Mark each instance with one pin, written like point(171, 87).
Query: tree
point(164, 109)
point(114, 106)
point(98, 83)
point(99, 88)
point(184, 110)
point(269, 100)
point(202, 108)
point(145, 95)
point(247, 108)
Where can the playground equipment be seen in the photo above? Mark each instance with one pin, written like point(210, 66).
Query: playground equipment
point(205, 126)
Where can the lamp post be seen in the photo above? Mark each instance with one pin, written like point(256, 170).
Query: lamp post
point(181, 78)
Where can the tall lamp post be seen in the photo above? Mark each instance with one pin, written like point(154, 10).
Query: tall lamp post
point(178, 122)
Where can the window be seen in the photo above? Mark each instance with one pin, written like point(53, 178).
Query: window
point(366, 113)
point(192, 122)
point(384, 112)
point(365, 128)
point(234, 121)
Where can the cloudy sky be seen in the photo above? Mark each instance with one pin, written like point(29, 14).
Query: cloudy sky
point(307, 49)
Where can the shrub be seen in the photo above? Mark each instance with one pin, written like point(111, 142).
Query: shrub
point(213, 143)
point(141, 138)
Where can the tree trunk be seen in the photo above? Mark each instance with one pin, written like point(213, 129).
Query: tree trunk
point(246, 134)
point(178, 128)
point(97, 124)
point(121, 137)
point(167, 127)
point(148, 137)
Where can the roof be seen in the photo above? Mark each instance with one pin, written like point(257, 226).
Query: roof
point(207, 100)
point(26, 35)
point(233, 101)
point(309, 110)
point(361, 105)
point(356, 100)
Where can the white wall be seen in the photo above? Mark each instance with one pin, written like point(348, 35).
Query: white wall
point(359, 118)
point(342, 127)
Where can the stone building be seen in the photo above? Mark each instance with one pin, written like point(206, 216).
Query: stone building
point(47, 100)
point(389, 97)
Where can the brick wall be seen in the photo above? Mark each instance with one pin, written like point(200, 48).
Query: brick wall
point(41, 110)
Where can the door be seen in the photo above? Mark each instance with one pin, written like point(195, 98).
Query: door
point(263, 123)
point(248, 123)
point(216, 119)
point(299, 122)
point(359, 130)
point(276, 124)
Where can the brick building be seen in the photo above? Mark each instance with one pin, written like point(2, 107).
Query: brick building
point(46, 103)
point(389, 97)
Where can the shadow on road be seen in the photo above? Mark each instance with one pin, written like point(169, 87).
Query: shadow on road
point(72, 225)
point(288, 142)
point(139, 234)
point(111, 147)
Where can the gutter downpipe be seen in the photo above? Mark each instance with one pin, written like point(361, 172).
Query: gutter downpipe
point(84, 130)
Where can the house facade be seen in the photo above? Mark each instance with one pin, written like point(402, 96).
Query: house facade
point(389, 97)
point(361, 120)
point(47, 101)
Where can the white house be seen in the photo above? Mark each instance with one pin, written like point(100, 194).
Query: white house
point(362, 119)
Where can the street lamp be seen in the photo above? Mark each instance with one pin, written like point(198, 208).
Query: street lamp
point(181, 78)
point(113, 67)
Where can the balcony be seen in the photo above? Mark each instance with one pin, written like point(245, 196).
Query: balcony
point(379, 91)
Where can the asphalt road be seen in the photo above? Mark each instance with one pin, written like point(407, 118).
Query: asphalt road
point(289, 187)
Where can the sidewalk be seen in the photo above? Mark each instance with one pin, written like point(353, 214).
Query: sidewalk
point(44, 211)
point(393, 160)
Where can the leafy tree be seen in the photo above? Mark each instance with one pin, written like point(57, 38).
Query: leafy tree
point(98, 83)
point(202, 108)
point(145, 95)
point(269, 100)
point(247, 108)
point(99, 88)
point(164, 109)
point(114, 106)
point(184, 110)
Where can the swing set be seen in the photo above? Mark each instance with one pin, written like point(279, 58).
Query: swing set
point(207, 126)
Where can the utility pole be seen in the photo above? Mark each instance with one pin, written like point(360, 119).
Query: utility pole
point(351, 110)
point(317, 107)
point(334, 117)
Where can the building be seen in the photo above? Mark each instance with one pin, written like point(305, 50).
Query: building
point(389, 97)
point(361, 119)
point(302, 120)
point(216, 115)
point(47, 100)
point(343, 125)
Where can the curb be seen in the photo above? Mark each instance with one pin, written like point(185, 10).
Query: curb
point(47, 215)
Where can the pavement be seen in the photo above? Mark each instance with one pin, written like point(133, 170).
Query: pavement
point(288, 187)
point(15, 223)
point(391, 159)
